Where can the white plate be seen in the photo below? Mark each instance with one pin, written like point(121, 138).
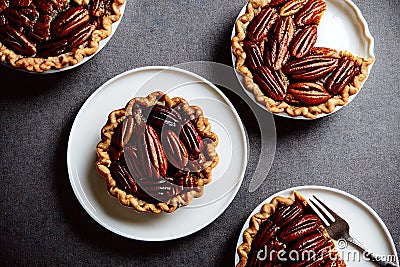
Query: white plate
point(365, 223)
point(90, 188)
point(342, 27)
point(85, 59)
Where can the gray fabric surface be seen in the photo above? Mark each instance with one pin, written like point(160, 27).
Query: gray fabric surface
point(42, 223)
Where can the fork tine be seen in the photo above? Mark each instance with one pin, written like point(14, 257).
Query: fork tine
point(325, 218)
point(334, 215)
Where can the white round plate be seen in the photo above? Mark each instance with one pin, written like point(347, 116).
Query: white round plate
point(365, 223)
point(85, 59)
point(342, 27)
point(90, 188)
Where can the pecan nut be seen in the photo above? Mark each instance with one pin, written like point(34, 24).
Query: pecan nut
point(161, 116)
point(52, 48)
point(192, 140)
point(123, 133)
point(22, 17)
point(304, 41)
point(80, 35)
point(311, 242)
point(292, 7)
point(123, 177)
point(70, 20)
point(310, 67)
point(341, 76)
point(311, 13)
point(254, 58)
point(299, 228)
point(307, 93)
point(174, 149)
point(150, 159)
point(286, 214)
point(97, 8)
point(17, 40)
point(261, 24)
point(278, 52)
point(267, 231)
point(270, 82)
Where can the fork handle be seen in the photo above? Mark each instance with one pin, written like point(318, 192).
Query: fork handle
point(373, 257)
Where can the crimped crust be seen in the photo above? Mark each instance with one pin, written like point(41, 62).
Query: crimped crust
point(73, 57)
point(265, 212)
point(103, 160)
point(254, 7)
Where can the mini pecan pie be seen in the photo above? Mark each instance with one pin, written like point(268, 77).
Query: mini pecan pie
point(274, 49)
point(157, 153)
point(38, 35)
point(286, 232)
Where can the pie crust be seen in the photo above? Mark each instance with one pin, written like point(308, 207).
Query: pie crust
point(254, 7)
point(73, 57)
point(182, 199)
point(266, 211)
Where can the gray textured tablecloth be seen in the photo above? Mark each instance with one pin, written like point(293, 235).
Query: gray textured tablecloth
point(42, 222)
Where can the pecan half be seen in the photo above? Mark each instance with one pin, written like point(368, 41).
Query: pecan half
point(123, 177)
point(299, 228)
point(304, 41)
point(80, 35)
point(311, 13)
point(97, 8)
point(343, 74)
point(16, 40)
point(151, 160)
point(270, 82)
point(254, 58)
point(278, 52)
point(192, 140)
point(22, 17)
point(307, 93)
point(161, 116)
point(285, 214)
point(310, 67)
point(310, 243)
point(70, 20)
point(267, 231)
point(292, 7)
point(21, 3)
point(174, 149)
point(52, 48)
point(261, 24)
point(123, 133)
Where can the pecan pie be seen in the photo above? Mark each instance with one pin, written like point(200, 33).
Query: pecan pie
point(286, 232)
point(38, 35)
point(157, 153)
point(274, 49)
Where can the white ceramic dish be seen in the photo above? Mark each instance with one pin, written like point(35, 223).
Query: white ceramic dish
point(90, 187)
point(85, 59)
point(365, 223)
point(342, 27)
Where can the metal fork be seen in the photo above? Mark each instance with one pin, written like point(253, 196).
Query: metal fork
point(339, 229)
